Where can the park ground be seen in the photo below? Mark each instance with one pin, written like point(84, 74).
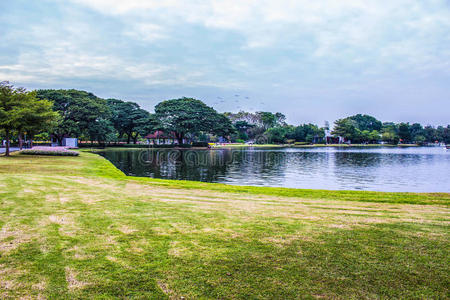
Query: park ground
point(76, 227)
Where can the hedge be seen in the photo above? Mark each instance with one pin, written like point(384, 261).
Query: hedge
point(50, 152)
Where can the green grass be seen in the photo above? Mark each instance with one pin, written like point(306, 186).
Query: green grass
point(76, 227)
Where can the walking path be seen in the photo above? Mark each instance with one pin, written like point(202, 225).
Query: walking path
point(12, 149)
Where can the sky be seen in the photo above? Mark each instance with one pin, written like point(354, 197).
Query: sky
point(311, 60)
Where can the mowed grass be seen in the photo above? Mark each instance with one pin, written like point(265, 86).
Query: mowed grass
point(76, 227)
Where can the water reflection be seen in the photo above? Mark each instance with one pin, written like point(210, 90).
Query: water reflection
point(382, 169)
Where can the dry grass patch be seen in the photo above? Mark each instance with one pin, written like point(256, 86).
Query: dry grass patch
point(127, 229)
point(72, 282)
point(11, 239)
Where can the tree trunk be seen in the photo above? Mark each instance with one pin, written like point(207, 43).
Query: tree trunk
point(179, 137)
point(128, 138)
point(135, 138)
point(20, 141)
point(7, 143)
point(60, 139)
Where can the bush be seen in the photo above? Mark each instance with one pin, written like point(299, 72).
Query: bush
point(50, 152)
point(200, 144)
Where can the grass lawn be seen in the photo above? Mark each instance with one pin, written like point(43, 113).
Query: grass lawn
point(76, 227)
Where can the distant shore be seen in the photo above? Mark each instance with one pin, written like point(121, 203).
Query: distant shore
point(309, 146)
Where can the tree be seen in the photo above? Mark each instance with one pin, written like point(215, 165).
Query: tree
point(37, 117)
point(242, 127)
point(78, 111)
point(102, 131)
point(223, 127)
point(365, 122)
point(446, 135)
point(267, 119)
point(374, 136)
point(189, 116)
point(430, 134)
point(276, 134)
point(417, 133)
point(10, 106)
point(306, 133)
point(404, 132)
point(128, 118)
point(21, 110)
point(345, 128)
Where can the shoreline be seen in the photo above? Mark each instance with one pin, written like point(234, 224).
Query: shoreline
point(316, 146)
point(231, 146)
point(108, 170)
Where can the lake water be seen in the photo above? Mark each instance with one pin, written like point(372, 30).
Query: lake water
point(414, 169)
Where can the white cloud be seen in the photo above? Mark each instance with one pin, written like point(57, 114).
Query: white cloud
point(146, 32)
point(337, 28)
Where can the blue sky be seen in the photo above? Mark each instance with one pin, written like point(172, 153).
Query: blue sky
point(311, 60)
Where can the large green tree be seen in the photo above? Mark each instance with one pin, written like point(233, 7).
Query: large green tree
point(38, 116)
point(129, 119)
point(21, 110)
point(357, 128)
point(78, 110)
point(190, 116)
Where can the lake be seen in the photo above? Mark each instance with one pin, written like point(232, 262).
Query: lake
point(393, 169)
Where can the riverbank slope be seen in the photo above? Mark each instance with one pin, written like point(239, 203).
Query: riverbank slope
point(78, 227)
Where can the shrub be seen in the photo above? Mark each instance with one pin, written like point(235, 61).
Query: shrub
point(200, 144)
point(50, 152)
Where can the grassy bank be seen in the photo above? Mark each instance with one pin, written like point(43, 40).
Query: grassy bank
point(76, 227)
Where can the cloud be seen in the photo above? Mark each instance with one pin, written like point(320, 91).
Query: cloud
point(339, 29)
point(296, 50)
point(147, 32)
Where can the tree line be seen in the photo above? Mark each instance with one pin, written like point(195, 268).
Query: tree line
point(46, 113)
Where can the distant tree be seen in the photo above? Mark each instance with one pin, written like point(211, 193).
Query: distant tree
point(267, 119)
point(223, 126)
point(306, 133)
point(416, 130)
point(365, 122)
point(280, 119)
point(242, 127)
point(357, 128)
point(404, 132)
point(276, 135)
point(440, 134)
point(374, 136)
point(390, 137)
point(446, 135)
point(430, 134)
point(346, 129)
point(189, 116)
